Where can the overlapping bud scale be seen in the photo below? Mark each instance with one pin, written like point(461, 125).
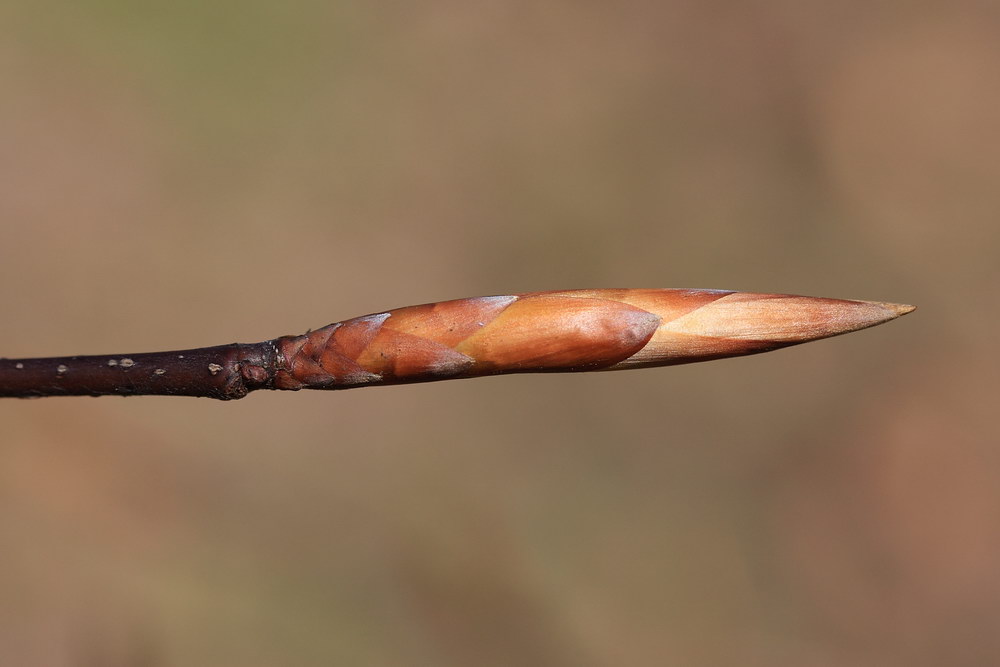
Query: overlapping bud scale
point(561, 331)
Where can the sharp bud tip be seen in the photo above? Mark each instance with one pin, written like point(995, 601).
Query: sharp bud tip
point(901, 308)
point(895, 309)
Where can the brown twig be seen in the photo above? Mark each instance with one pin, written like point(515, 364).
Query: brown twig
point(577, 330)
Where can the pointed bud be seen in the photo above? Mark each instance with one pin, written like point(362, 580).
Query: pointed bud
point(739, 323)
point(577, 330)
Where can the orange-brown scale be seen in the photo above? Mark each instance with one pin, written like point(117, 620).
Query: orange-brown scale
point(553, 332)
point(604, 329)
point(467, 338)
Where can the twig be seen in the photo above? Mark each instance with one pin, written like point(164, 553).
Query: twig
point(578, 330)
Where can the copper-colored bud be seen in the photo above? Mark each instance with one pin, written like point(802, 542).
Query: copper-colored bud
point(577, 330)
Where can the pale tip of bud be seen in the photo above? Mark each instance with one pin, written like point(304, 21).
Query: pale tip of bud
point(745, 323)
point(781, 318)
point(898, 309)
point(873, 313)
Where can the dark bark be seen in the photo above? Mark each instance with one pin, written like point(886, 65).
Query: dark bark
point(224, 372)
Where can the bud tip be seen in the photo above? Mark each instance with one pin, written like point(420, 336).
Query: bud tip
point(898, 309)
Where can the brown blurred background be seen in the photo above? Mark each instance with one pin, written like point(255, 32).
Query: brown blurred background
point(184, 174)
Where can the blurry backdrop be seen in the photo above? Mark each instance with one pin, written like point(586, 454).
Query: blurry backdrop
point(192, 173)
